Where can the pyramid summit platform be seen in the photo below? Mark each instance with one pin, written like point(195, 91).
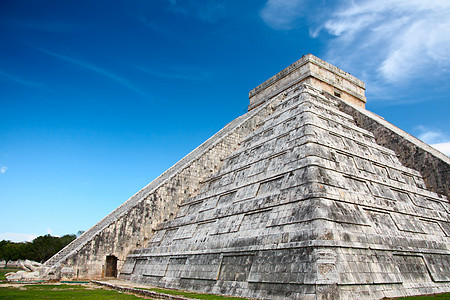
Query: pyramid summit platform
point(306, 196)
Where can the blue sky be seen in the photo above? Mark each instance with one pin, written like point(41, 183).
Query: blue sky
point(97, 98)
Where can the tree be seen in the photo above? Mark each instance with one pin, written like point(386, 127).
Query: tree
point(9, 251)
point(40, 249)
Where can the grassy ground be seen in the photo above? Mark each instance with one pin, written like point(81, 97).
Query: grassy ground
point(430, 297)
point(192, 295)
point(445, 296)
point(75, 291)
point(62, 291)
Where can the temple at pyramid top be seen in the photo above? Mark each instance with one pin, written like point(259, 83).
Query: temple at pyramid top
point(316, 72)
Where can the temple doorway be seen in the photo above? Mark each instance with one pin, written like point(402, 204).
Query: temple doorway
point(111, 266)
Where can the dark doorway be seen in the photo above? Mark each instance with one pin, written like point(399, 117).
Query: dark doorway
point(111, 266)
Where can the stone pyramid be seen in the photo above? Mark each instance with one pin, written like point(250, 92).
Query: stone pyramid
point(307, 196)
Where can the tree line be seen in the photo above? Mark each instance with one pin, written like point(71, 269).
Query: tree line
point(40, 249)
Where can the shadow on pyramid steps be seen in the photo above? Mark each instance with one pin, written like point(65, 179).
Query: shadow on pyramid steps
point(307, 196)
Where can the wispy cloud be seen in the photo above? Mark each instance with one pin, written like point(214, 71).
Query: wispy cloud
point(3, 169)
point(442, 147)
point(206, 10)
point(88, 66)
point(183, 73)
point(392, 40)
point(41, 25)
point(158, 28)
point(19, 80)
point(431, 136)
point(17, 237)
point(435, 138)
point(163, 30)
point(282, 14)
point(397, 39)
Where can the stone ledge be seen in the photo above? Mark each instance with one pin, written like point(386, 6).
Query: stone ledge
point(400, 186)
point(294, 245)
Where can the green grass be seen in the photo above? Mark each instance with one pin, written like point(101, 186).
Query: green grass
point(63, 291)
point(4, 271)
point(429, 297)
point(73, 291)
point(191, 295)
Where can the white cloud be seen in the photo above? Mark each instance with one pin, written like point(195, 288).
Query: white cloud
point(86, 65)
point(3, 169)
point(282, 14)
point(443, 147)
point(41, 25)
point(430, 136)
point(19, 80)
point(435, 138)
point(390, 40)
point(402, 38)
point(17, 237)
point(183, 73)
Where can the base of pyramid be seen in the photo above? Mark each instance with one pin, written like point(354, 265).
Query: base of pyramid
point(296, 273)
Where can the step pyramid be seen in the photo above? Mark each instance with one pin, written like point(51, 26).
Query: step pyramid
point(307, 196)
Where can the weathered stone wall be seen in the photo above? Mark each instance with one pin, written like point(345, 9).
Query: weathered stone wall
point(132, 224)
point(309, 206)
point(413, 153)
